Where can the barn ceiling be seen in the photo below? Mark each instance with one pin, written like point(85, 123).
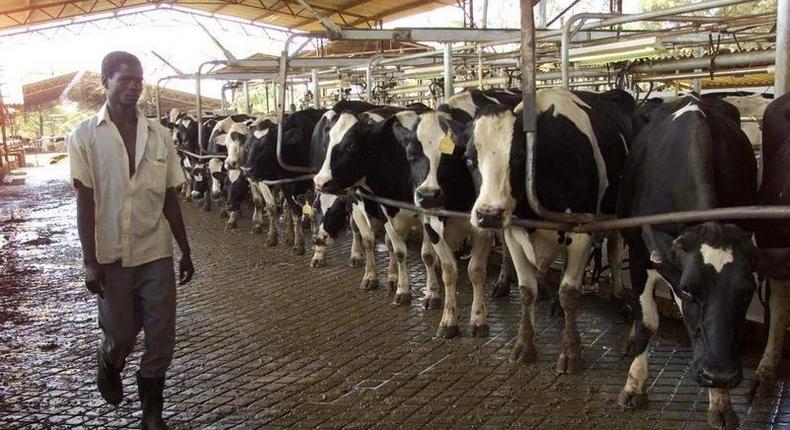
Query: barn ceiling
point(289, 14)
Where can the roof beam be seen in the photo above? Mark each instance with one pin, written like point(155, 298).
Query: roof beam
point(345, 7)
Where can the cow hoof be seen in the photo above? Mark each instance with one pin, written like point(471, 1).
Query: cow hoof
point(630, 400)
point(725, 419)
point(480, 330)
point(523, 353)
point(569, 364)
point(298, 250)
point(271, 241)
point(760, 386)
point(447, 331)
point(402, 299)
point(256, 229)
point(392, 285)
point(317, 262)
point(369, 284)
point(356, 261)
point(432, 303)
point(501, 290)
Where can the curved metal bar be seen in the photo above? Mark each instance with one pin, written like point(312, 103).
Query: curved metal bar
point(272, 182)
point(203, 156)
point(159, 97)
point(199, 113)
point(281, 109)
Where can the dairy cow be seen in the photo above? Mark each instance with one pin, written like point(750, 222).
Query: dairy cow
point(582, 142)
point(691, 155)
point(772, 260)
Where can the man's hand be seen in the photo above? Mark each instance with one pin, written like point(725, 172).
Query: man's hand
point(185, 269)
point(94, 278)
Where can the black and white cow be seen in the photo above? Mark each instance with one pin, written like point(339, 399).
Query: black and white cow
point(373, 156)
point(262, 164)
point(582, 142)
point(330, 212)
point(691, 155)
point(773, 238)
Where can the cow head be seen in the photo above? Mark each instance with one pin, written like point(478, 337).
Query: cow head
point(438, 143)
point(342, 166)
point(494, 154)
point(709, 269)
point(235, 140)
point(218, 132)
point(330, 214)
point(200, 180)
point(238, 188)
point(216, 169)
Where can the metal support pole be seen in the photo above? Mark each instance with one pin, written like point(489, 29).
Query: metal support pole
point(316, 90)
point(782, 73)
point(448, 71)
point(281, 110)
point(247, 97)
point(266, 91)
point(541, 23)
point(698, 81)
point(2, 129)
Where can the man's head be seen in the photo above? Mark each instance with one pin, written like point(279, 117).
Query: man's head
point(122, 77)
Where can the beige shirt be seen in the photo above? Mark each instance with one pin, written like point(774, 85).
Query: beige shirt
point(130, 225)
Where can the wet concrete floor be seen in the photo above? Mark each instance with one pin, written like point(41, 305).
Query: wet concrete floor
point(264, 341)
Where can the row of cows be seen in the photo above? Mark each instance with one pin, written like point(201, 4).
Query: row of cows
point(595, 153)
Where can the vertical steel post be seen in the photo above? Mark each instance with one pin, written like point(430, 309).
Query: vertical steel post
point(369, 82)
point(247, 97)
point(697, 81)
point(266, 91)
point(541, 14)
point(316, 90)
point(782, 71)
point(448, 70)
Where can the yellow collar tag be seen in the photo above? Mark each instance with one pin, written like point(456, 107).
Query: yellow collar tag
point(446, 145)
point(307, 209)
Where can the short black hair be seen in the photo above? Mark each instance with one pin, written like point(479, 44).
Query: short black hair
point(112, 62)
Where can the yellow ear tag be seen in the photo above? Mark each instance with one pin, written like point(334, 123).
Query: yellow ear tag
point(307, 209)
point(446, 145)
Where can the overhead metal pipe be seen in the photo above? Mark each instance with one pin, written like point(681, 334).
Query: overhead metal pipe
point(724, 60)
point(782, 75)
point(608, 20)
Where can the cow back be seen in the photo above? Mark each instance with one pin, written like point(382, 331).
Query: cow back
point(775, 188)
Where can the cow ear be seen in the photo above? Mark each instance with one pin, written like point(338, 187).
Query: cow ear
point(773, 263)
point(659, 244)
point(684, 242)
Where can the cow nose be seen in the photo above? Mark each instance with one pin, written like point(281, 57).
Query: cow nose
point(490, 217)
point(231, 164)
point(720, 377)
point(320, 182)
point(195, 194)
point(429, 198)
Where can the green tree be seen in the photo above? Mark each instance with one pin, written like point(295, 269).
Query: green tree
point(58, 120)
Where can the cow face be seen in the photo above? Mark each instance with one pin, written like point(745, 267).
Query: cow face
point(235, 140)
point(709, 268)
point(199, 180)
point(330, 214)
point(340, 152)
point(218, 132)
point(217, 171)
point(493, 153)
point(441, 142)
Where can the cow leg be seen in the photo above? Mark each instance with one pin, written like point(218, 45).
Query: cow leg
point(482, 241)
point(271, 209)
point(762, 382)
point(392, 265)
point(570, 360)
point(634, 394)
point(720, 412)
point(524, 351)
point(233, 218)
point(357, 256)
point(448, 326)
point(298, 231)
point(506, 272)
point(288, 224)
point(257, 204)
point(614, 255)
point(368, 239)
point(432, 299)
point(397, 240)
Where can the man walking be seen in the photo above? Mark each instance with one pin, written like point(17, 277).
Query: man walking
point(125, 171)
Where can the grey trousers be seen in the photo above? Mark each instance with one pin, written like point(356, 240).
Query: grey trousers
point(142, 297)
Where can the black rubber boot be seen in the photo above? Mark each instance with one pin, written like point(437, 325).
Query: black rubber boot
point(108, 378)
point(151, 399)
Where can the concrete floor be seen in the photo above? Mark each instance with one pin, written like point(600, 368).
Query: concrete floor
point(264, 341)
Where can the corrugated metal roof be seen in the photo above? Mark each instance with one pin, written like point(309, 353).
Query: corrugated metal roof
point(283, 13)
